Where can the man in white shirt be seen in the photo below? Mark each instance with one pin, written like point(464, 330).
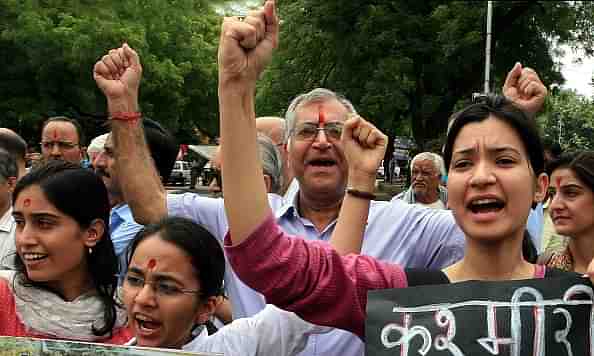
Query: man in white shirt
point(426, 170)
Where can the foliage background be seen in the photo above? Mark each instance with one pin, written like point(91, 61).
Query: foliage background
point(406, 65)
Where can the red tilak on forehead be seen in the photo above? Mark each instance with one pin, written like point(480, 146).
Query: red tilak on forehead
point(152, 263)
point(27, 202)
point(321, 116)
point(55, 134)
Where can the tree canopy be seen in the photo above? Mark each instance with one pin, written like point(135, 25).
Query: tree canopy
point(52, 46)
point(406, 64)
point(568, 118)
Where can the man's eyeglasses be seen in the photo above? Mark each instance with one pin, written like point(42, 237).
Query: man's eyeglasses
point(308, 131)
point(162, 289)
point(62, 145)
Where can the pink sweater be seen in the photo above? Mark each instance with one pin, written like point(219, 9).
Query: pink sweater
point(309, 277)
point(11, 324)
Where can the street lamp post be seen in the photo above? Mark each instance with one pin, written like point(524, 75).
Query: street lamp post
point(488, 46)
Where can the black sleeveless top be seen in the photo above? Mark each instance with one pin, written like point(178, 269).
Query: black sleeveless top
point(421, 277)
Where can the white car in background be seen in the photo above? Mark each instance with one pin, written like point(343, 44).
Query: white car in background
point(180, 173)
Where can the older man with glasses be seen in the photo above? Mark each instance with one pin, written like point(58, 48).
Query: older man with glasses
point(62, 138)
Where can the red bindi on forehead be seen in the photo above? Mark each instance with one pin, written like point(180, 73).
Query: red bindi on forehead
point(27, 202)
point(152, 263)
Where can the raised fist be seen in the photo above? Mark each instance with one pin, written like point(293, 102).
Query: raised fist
point(246, 46)
point(118, 74)
point(364, 146)
point(525, 89)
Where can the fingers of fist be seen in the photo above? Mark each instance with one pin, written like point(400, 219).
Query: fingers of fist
point(114, 64)
point(257, 20)
point(249, 31)
point(365, 133)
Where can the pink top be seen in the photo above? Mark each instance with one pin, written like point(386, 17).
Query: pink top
point(11, 324)
point(311, 279)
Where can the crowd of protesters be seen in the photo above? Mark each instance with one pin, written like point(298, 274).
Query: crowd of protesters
point(281, 263)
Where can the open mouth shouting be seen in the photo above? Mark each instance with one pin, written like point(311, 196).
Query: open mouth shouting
point(485, 208)
point(322, 162)
point(145, 325)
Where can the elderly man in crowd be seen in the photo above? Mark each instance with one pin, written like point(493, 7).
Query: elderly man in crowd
point(62, 138)
point(271, 164)
point(275, 128)
point(426, 171)
point(95, 148)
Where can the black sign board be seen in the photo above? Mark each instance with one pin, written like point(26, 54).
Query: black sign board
point(538, 317)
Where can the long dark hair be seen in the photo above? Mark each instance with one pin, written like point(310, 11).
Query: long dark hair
point(197, 242)
point(81, 195)
point(502, 109)
point(581, 163)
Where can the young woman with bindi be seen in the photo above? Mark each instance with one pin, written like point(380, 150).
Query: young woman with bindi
point(65, 281)
point(171, 289)
point(572, 209)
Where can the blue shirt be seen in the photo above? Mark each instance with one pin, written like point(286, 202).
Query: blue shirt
point(122, 229)
point(410, 235)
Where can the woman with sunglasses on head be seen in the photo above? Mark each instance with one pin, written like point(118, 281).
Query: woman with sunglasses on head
point(496, 174)
point(572, 210)
point(171, 289)
point(64, 282)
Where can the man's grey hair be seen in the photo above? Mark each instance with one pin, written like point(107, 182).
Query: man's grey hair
point(436, 159)
point(271, 162)
point(8, 165)
point(315, 96)
point(97, 143)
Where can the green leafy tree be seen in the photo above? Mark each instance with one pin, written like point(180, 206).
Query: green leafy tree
point(406, 64)
point(568, 118)
point(54, 44)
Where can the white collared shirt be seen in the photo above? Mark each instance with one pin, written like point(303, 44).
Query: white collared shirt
point(7, 240)
point(270, 332)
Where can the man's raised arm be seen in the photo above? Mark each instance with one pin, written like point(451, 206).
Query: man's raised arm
point(364, 148)
point(118, 75)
